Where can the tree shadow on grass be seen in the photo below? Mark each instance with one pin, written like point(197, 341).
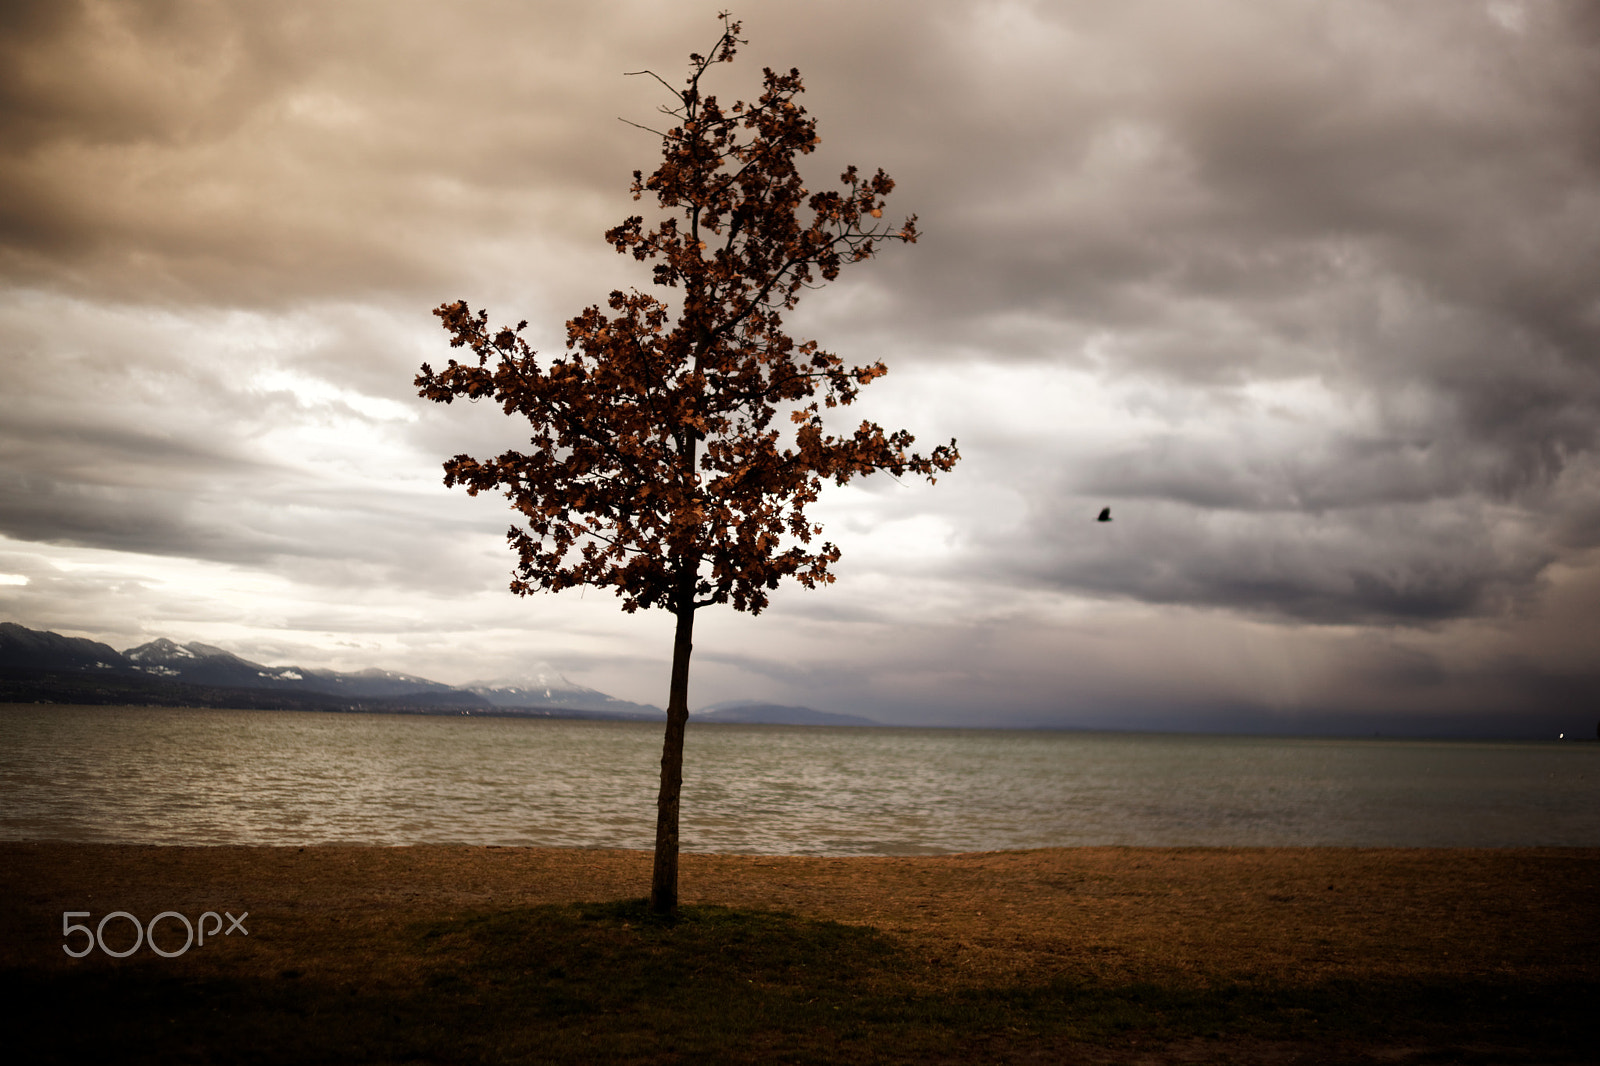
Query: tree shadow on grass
point(611, 983)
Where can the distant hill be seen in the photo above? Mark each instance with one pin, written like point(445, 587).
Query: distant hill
point(756, 713)
point(203, 664)
point(40, 666)
point(543, 689)
point(33, 649)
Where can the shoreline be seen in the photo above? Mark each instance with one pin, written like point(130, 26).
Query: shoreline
point(1255, 908)
point(269, 701)
point(1093, 954)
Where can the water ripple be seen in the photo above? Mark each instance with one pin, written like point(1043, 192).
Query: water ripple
point(178, 776)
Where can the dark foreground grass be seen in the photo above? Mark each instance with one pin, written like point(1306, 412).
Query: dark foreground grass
point(608, 983)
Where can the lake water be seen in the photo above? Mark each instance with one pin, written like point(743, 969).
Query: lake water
point(165, 776)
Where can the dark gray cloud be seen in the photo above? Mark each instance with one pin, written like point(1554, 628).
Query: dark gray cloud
point(1305, 292)
point(253, 154)
point(1391, 206)
point(1381, 565)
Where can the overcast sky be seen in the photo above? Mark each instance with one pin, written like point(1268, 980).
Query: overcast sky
point(1307, 292)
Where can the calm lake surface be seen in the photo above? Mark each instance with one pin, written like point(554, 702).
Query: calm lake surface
point(175, 776)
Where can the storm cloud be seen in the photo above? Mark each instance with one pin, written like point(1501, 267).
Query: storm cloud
point(1305, 292)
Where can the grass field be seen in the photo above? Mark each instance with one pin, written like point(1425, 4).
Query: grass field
point(1076, 955)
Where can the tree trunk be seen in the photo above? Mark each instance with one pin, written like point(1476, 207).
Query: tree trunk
point(664, 882)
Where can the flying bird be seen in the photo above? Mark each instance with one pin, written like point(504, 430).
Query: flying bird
point(1105, 515)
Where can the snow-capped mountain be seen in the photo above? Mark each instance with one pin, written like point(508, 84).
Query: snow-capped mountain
point(40, 665)
point(543, 688)
point(204, 664)
point(27, 652)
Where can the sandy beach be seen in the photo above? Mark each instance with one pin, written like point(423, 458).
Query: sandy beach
point(1296, 918)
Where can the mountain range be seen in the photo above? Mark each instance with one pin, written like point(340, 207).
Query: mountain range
point(755, 712)
point(41, 666)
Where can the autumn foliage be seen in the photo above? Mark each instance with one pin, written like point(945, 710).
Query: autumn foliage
point(674, 449)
